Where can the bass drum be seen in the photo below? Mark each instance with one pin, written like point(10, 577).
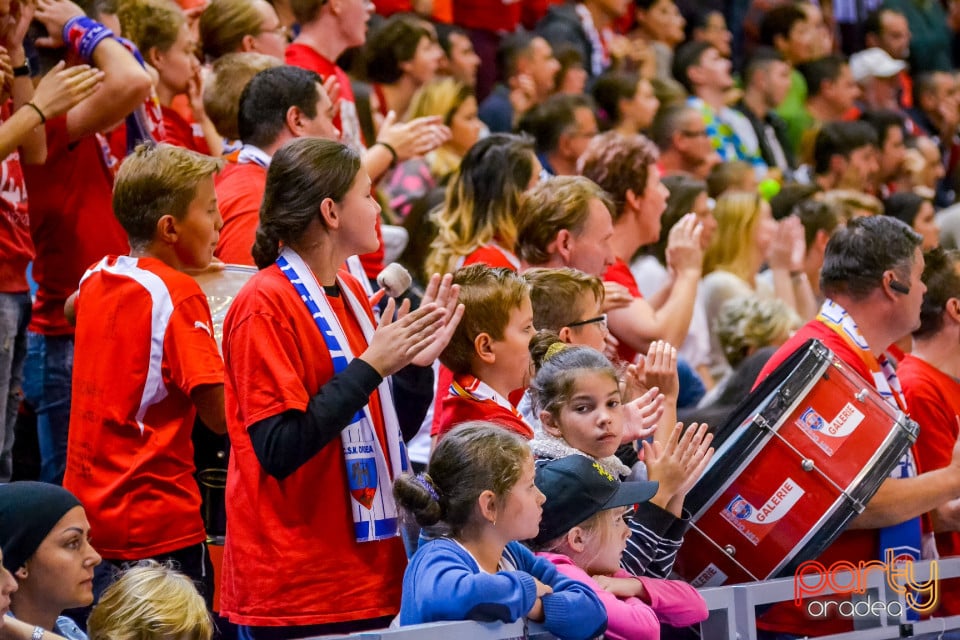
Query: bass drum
point(799, 458)
point(211, 451)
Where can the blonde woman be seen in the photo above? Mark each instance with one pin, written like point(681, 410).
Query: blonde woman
point(478, 221)
point(455, 103)
point(240, 26)
point(150, 601)
point(748, 237)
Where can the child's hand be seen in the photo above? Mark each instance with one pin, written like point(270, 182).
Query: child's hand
point(699, 457)
point(660, 369)
point(622, 587)
point(195, 95)
point(678, 464)
point(542, 589)
point(396, 342)
point(641, 415)
point(216, 265)
point(536, 611)
point(444, 294)
point(62, 88)
point(610, 347)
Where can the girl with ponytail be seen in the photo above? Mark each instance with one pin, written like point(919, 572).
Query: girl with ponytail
point(319, 402)
point(577, 397)
point(478, 498)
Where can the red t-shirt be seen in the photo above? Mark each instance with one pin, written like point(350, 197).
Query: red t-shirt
point(387, 8)
point(490, 15)
point(291, 557)
point(300, 55)
point(183, 133)
point(493, 256)
point(16, 248)
point(619, 272)
point(934, 401)
point(853, 545)
point(239, 193)
point(144, 342)
point(71, 221)
point(442, 9)
point(456, 410)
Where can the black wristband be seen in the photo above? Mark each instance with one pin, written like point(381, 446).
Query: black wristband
point(43, 118)
point(21, 71)
point(393, 152)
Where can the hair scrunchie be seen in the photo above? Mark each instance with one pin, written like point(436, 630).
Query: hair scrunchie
point(554, 349)
point(426, 482)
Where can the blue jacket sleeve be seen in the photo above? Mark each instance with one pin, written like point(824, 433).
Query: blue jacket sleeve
point(444, 583)
point(573, 611)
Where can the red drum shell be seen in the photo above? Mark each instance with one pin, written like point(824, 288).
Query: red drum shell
point(803, 463)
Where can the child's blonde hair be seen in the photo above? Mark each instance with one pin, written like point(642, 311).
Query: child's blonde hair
point(151, 24)
point(555, 295)
point(221, 92)
point(489, 296)
point(151, 602)
point(593, 527)
point(157, 180)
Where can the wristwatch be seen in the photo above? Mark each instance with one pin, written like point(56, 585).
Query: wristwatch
point(23, 70)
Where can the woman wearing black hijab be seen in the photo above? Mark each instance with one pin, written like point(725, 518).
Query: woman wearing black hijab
point(45, 539)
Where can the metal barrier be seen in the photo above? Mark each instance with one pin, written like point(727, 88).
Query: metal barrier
point(733, 613)
point(733, 609)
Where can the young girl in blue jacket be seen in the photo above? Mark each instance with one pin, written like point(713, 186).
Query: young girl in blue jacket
point(478, 497)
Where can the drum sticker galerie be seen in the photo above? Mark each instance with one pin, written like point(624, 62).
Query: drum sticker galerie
point(829, 436)
point(755, 523)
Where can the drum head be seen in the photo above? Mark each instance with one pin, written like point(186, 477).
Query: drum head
point(221, 287)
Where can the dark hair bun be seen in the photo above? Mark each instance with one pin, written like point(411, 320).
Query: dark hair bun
point(415, 498)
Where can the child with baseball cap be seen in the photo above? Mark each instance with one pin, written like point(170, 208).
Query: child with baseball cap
point(583, 532)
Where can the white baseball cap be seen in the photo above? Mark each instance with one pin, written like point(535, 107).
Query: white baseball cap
point(874, 63)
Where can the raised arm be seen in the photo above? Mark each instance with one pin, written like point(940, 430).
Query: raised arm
point(125, 84)
point(900, 499)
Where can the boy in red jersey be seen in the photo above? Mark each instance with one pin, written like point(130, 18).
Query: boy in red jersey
point(488, 353)
point(146, 365)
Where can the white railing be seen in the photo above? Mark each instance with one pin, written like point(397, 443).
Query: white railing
point(733, 613)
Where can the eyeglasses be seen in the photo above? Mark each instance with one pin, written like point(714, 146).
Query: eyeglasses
point(694, 134)
point(602, 319)
point(280, 30)
point(585, 134)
